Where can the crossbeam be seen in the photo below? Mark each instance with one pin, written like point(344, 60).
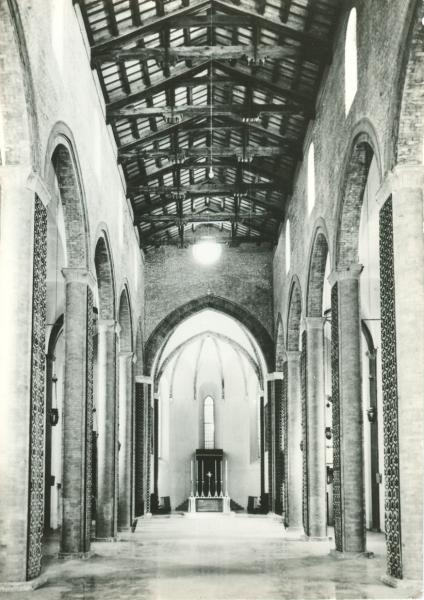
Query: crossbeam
point(163, 241)
point(248, 112)
point(183, 153)
point(202, 189)
point(206, 217)
point(174, 53)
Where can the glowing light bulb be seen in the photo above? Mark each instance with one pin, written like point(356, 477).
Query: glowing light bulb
point(207, 252)
point(211, 174)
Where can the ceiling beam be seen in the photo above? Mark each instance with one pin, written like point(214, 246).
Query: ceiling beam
point(185, 18)
point(201, 189)
point(277, 211)
point(151, 25)
point(205, 217)
point(174, 53)
point(252, 111)
point(260, 239)
point(180, 154)
point(189, 126)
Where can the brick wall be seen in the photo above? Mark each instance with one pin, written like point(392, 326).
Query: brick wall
point(173, 278)
point(382, 40)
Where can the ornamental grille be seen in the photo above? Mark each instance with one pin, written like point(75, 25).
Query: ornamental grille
point(37, 416)
point(390, 394)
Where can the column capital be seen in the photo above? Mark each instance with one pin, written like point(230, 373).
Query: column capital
point(106, 325)
point(402, 177)
point(293, 355)
point(314, 323)
point(36, 184)
point(79, 275)
point(353, 271)
point(275, 375)
point(143, 379)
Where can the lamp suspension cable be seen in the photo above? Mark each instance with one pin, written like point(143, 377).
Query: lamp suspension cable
point(211, 173)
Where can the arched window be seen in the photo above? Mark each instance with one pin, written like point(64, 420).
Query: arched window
point(288, 246)
point(208, 423)
point(351, 61)
point(311, 178)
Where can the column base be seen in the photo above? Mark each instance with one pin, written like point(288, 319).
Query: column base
point(75, 555)
point(112, 538)
point(411, 587)
point(295, 534)
point(317, 538)
point(23, 586)
point(124, 529)
point(349, 555)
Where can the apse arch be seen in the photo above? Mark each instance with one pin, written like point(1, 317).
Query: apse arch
point(362, 150)
point(318, 255)
point(163, 331)
point(294, 315)
point(62, 164)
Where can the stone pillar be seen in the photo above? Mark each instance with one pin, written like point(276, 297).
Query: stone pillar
point(316, 427)
point(294, 427)
point(16, 274)
point(406, 351)
point(350, 510)
point(74, 534)
point(125, 439)
point(106, 526)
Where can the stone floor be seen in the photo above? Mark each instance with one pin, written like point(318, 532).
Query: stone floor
point(215, 558)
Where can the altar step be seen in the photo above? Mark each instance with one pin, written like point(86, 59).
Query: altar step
point(235, 507)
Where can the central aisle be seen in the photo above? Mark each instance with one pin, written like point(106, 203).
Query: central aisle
point(214, 557)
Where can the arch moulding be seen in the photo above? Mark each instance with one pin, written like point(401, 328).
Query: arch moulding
point(162, 332)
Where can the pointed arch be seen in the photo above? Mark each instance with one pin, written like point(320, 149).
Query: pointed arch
point(294, 315)
point(280, 350)
point(105, 279)
point(361, 151)
point(163, 331)
point(125, 322)
point(63, 174)
point(318, 256)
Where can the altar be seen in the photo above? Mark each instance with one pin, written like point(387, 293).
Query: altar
point(209, 482)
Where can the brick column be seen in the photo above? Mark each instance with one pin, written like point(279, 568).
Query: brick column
point(349, 507)
point(74, 535)
point(16, 324)
point(402, 310)
point(294, 427)
point(106, 526)
point(316, 427)
point(125, 439)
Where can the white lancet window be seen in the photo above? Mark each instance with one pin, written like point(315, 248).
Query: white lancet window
point(208, 423)
point(288, 246)
point(311, 178)
point(351, 61)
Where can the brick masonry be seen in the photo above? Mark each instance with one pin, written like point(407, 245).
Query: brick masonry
point(243, 275)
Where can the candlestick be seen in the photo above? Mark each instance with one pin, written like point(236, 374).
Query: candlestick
point(203, 477)
point(191, 477)
point(216, 487)
point(226, 477)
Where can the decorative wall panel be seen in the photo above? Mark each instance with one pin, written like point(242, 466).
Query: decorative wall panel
point(337, 483)
point(390, 394)
point(303, 382)
point(89, 422)
point(37, 414)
